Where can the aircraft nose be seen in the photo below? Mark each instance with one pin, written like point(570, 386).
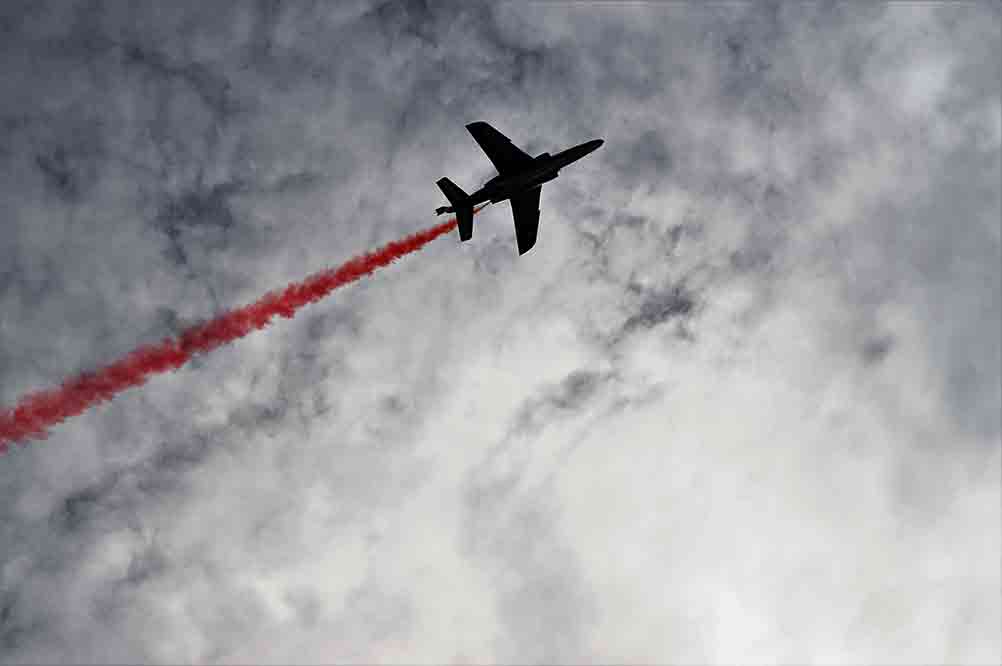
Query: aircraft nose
point(579, 151)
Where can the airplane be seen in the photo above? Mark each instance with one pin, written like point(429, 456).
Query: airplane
point(520, 179)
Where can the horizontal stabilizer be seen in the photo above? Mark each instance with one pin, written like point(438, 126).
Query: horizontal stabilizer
point(461, 204)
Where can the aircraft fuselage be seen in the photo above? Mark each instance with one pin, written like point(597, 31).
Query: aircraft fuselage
point(544, 168)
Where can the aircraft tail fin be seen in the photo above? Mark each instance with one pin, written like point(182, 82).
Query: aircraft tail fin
point(461, 205)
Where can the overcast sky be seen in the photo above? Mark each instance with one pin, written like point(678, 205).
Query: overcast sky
point(741, 403)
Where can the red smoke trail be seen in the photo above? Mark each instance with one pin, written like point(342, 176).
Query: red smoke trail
point(37, 411)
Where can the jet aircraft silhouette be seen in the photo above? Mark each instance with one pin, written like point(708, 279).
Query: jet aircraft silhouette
point(520, 179)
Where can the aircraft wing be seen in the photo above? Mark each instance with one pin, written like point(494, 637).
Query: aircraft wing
point(525, 210)
point(505, 156)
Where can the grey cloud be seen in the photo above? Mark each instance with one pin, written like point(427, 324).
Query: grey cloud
point(211, 88)
point(661, 307)
point(567, 397)
point(876, 349)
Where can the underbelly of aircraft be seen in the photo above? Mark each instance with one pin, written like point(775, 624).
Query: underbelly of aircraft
point(514, 191)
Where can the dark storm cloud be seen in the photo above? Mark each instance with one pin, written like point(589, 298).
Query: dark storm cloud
point(767, 312)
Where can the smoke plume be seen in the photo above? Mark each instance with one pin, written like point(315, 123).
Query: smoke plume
point(38, 411)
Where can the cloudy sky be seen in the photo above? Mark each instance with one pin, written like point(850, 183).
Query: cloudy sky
point(741, 403)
